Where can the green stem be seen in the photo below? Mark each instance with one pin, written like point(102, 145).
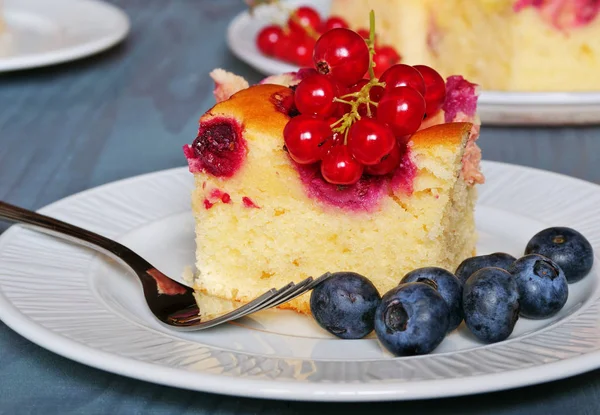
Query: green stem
point(371, 43)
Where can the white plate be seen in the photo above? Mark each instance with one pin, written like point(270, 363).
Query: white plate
point(495, 107)
point(77, 304)
point(43, 32)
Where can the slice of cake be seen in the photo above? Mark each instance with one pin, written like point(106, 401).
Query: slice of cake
point(518, 45)
point(262, 220)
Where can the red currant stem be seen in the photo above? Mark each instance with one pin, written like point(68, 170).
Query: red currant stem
point(371, 44)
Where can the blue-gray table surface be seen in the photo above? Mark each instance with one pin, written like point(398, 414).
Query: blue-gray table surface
point(128, 111)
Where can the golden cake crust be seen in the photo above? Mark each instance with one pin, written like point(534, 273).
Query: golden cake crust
point(256, 108)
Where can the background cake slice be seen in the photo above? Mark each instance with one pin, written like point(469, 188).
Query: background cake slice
point(520, 45)
point(262, 220)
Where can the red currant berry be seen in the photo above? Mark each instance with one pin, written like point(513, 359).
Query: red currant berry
point(339, 167)
point(302, 136)
point(267, 38)
point(334, 22)
point(302, 49)
point(331, 141)
point(304, 17)
point(435, 89)
point(402, 109)
point(314, 96)
point(403, 75)
point(370, 140)
point(343, 54)
point(365, 34)
point(284, 47)
point(384, 58)
point(387, 165)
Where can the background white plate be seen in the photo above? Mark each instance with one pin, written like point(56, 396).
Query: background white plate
point(47, 32)
point(495, 107)
point(82, 306)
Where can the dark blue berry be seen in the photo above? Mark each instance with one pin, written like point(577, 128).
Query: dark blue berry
point(344, 305)
point(449, 287)
point(411, 319)
point(543, 288)
point(470, 265)
point(491, 304)
point(565, 246)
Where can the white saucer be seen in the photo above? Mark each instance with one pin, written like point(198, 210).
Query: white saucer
point(46, 32)
point(78, 304)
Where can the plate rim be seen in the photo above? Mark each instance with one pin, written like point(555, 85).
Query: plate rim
point(238, 386)
point(74, 52)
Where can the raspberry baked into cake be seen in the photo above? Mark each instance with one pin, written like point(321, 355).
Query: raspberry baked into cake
point(331, 169)
point(519, 45)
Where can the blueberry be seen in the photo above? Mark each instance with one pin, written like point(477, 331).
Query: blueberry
point(470, 265)
point(449, 287)
point(565, 246)
point(491, 304)
point(344, 305)
point(411, 319)
point(543, 288)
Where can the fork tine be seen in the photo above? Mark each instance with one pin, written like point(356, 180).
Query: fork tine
point(267, 303)
point(298, 290)
point(319, 280)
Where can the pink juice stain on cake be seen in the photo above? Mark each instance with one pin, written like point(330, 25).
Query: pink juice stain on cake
point(363, 196)
point(219, 149)
point(563, 14)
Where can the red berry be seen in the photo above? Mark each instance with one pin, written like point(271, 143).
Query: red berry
point(330, 142)
point(339, 167)
point(387, 165)
point(364, 33)
point(403, 75)
point(304, 17)
point(402, 109)
point(302, 136)
point(268, 38)
point(370, 140)
point(284, 47)
point(334, 22)
point(314, 96)
point(343, 54)
point(435, 89)
point(302, 50)
point(384, 58)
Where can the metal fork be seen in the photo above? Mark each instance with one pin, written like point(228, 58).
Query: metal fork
point(170, 301)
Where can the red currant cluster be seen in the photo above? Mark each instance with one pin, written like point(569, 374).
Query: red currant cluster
point(353, 125)
point(294, 42)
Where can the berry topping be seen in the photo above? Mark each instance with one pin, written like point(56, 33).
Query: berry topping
point(344, 305)
point(268, 38)
point(339, 167)
point(343, 54)
point(334, 22)
point(315, 95)
point(543, 288)
point(566, 247)
point(388, 164)
point(219, 148)
point(369, 141)
point(401, 76)
point(491, 304)
point(412, 319)
point(303, 136)
point(249, 203)
point(304, 18)
point(435, 89)
point(403, 109)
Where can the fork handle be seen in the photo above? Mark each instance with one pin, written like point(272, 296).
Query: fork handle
point(69, 232)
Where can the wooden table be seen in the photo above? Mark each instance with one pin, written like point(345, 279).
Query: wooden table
point(128, 111)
